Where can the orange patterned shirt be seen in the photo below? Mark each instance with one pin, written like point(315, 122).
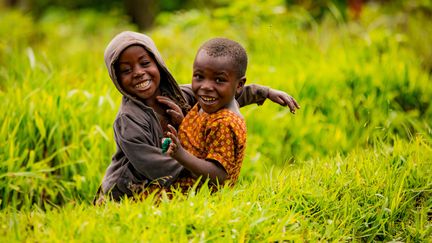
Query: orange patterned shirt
point(219, 136)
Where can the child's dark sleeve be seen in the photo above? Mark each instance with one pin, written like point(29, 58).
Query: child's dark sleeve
point(251, 94)
point(143, 151)
point(188, 94)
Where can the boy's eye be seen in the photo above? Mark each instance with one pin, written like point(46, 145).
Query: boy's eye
point(220, 80)
point(197, 77)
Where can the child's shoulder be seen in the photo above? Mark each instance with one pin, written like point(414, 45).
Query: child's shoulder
point(227, 117)
point(228, 113)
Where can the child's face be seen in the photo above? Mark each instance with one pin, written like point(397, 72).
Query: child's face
point(214, 81)
point(138, 73)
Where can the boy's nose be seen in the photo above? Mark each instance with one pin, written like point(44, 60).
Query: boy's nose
point(206, 85)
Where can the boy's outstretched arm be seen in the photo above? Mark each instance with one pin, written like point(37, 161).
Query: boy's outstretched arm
point(199, 167)
point(252, 94)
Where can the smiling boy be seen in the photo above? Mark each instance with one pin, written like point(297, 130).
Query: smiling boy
point(212, 137)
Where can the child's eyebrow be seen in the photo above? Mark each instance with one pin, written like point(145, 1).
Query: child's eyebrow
point(222, 73)
point(146, 56)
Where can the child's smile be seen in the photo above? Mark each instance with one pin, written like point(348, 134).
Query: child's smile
point(138, 73)
point(214, 81)
point(208, 100)
point(143, 85)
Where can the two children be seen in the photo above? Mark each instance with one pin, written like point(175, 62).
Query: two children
point(151, 100)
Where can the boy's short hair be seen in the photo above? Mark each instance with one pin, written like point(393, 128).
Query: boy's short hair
point(223, 47)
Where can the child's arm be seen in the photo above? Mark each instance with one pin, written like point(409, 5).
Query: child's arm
point(252, 94)
point(143, 152)
point(199, 167)
point(260, 93)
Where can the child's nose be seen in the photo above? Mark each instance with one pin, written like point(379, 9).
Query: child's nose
point(139, 72)
point(206, 85)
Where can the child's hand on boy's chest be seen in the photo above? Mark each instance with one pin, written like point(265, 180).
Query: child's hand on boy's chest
point(173, 110)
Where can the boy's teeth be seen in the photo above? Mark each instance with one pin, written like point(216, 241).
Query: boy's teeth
point(208, 98)
point(143, 84)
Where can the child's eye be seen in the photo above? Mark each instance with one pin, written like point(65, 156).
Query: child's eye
point(125, 71)
point(197, 77)
point(220, 80)
point(145, 63)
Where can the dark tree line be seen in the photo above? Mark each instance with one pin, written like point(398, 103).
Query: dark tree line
point(144, 12)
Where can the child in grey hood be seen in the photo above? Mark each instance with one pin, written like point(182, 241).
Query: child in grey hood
point(151, 100)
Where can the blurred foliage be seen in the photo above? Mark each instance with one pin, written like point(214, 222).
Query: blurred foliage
point(318, 9)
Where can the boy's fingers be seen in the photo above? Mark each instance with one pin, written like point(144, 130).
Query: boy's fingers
point(170, 135)
point(173, 130)
point(286, 99)
point(172, 149)
point(292, 104)
point(279, 100)
point(295, 103)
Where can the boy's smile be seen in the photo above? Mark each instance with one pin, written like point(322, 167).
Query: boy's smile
point(138, 73)
point(214, 81)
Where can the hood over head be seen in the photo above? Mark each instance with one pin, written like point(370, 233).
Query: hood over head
point(119, 43)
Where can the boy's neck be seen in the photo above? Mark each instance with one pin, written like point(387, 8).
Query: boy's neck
point(232, 106)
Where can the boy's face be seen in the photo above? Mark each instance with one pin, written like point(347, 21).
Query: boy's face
point(214, 81)
point(138, 73)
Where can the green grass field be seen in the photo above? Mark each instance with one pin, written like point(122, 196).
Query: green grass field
point(352, 165)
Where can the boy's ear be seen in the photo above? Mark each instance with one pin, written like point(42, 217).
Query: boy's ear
point(240, 85)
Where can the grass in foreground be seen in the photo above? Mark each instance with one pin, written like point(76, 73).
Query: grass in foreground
point(380, 194)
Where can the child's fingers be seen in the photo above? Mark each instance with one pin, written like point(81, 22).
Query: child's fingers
point(172, 129)
point(173, 138)
point(285, 98)
point(175, 115)
point(172, 149)
point(291, 103)
point(170, 135)
point(295, 102)
point(280, 101)
point(168, 102)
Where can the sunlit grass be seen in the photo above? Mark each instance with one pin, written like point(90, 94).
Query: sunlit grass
point(365, 195)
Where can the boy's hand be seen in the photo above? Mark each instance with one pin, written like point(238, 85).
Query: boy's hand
point(175, 144)
point(174, 111)
point(283, 99)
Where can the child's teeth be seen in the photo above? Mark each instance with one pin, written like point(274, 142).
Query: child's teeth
point(208, 99)
point(143, 84)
